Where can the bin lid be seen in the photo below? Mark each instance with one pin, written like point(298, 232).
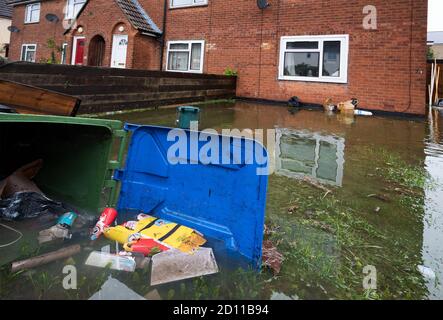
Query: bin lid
point(188, 109)
point(222, 201)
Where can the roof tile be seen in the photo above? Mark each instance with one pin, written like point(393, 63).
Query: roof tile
point(5, 10)
point(138, 17)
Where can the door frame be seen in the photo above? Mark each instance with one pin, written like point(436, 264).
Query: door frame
point(74, 48)
point(113, 50)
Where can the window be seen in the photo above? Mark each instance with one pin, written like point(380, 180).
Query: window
point(73, 7)
point(28, 52)
point(32, 13)
point(314, 58)
point(187, 3)
point(185, 56)
point(64, 52)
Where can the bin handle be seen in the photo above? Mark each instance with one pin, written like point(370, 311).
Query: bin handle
point(115, 165)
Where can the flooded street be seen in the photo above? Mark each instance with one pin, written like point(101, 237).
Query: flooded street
point(381, 205)
point(433, 221)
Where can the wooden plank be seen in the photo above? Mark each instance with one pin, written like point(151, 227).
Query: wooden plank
point(33, 100)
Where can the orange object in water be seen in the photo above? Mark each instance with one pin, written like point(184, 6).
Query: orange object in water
point(107, 217)
point(145, 246)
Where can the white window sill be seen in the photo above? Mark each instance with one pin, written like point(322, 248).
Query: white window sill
point(312, 79)
point(32, 22)
point(189, 71)
point(188, 6)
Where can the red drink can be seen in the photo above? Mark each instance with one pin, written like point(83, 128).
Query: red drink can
point(107, 217)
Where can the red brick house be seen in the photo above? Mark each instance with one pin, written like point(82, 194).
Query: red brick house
point(310, 49)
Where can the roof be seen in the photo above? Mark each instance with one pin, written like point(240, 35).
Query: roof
point(5, 9)
point(17, 2)
point(435, 37)
point(138, 17)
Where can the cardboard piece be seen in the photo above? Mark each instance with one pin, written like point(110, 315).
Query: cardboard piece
point(174, 265)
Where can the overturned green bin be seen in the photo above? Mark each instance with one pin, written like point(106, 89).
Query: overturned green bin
point(78, 156)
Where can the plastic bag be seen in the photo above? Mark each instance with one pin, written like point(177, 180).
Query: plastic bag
point(26, 205)
point(294, 102)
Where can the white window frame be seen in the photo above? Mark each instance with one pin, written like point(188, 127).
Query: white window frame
point(344, 53)
point(189, 50)
point(70, 8)
point(26, 45)
point(28, 12)
point(195, 3)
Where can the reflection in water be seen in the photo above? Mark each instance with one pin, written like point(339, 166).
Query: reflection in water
point(300, 154)
point(433, 224)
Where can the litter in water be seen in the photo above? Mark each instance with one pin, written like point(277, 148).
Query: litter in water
point(115, 262)
point(282, 297)
point(363, 113)
point(146, 247)
point(168, 233)
point(45, 258)
point(106, 219)
point(174, 265)
point(271, 257)
point(153, 295)
point(21, 198)
point(27, 205)
point(426, 272)
point(113, 289)
point(53, 233)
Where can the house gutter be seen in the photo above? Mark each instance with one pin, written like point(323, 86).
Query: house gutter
point(163, 37)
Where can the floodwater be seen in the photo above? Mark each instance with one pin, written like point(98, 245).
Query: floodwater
point(346, 155)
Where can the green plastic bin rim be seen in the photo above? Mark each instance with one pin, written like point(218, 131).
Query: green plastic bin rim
point(25, 118)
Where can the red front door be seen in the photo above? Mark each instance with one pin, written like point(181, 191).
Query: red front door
point(79, 52)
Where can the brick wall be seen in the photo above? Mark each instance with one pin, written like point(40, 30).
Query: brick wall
point(146, 53)
point(386, 68)
point(100, 17)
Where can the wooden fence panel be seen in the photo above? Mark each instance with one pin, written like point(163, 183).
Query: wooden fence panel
point(108, 89)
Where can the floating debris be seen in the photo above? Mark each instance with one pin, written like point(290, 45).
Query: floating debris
point(272, 258)
point(115, 262)
point(153, 295)
point(113, 289)
point(379, 197)
point(45, 258)
point(174, 265)
point(283, 297)
point(426, 272)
